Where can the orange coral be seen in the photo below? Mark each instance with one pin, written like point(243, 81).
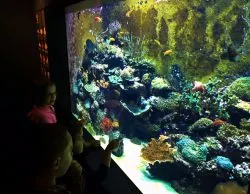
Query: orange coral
point(218, 122)
point(106, 124)
point(158, 150)
point(102, 83)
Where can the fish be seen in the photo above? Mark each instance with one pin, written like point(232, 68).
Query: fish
point(157, 42)
point(111, 39)
point(129, 13)
point(98, 19)
point(168, 52)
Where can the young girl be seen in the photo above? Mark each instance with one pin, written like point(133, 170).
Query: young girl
point(44, 111)
point(44, 100)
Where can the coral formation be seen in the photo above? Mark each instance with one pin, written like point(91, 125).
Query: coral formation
point(202, 125)
point(224, 163)
point(106, 125)
point(241, 88)
point(158, 151)
point(191, 151)
point(230, 131)
point(242, 172)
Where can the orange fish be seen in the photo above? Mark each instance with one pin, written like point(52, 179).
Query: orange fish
point(168, 52)
point(129, 13)
point(98, 19)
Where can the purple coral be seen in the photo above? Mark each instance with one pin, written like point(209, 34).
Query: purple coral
point(114, 26)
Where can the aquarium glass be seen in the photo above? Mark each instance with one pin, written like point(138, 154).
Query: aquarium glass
point(171, 80)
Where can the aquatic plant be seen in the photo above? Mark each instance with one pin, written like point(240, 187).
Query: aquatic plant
point(241, 88)
point(158, 151)
point(191, 151)
point(213, 103)
point(213, 145)
point(106, 125)
point(224, 163)
point(202, 125)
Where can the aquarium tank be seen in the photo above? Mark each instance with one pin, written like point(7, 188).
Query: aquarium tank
point(171, 80)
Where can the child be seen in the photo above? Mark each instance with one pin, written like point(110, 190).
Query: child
point(51, 157)
point(43, 111)
point(44, 100)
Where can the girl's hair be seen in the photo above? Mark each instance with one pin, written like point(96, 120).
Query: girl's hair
point(40, 87)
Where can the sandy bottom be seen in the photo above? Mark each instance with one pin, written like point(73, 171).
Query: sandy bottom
point(134, 167)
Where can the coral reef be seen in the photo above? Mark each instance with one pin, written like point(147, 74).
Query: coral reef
point(224, 163)
point(213, 103)
point(106, 125)
point(160, 86)
point(158, 151)
point(202, 125)
point(241, 88)
point(191, 151)
point(242, 172)
point(245, 124)
point(227, 131)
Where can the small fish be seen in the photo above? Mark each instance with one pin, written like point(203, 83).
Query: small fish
point(98, 19)
point(129, 13)
point(168, 52)
point(111, 39)
point(157, 42)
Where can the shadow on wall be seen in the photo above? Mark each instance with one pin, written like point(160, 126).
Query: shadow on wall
point(20, 59)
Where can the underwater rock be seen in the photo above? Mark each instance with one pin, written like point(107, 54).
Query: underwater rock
point(201, 126)
point(139, 88)
point(144, 67)
point(136, 141)
point(160, 87)
point(241, 88)
point(224, 163)
point(171, 170)
point(242, 172)
point(243, 105)
point(191, 151)
point(137, 109)
point(127, 73)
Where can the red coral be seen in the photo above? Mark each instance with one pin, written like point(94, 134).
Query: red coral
point(218, 122)
point(106, 125)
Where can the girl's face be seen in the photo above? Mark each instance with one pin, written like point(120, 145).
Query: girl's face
point(50, 96)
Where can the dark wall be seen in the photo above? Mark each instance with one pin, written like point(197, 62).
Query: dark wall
point(19, 54)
